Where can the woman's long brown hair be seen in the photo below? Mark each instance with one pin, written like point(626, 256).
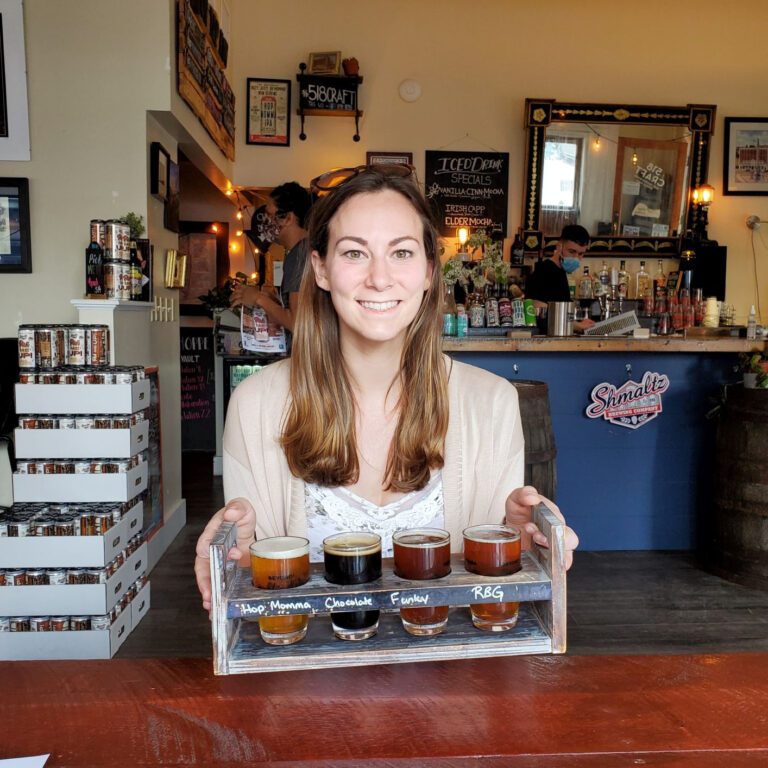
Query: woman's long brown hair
point(318, 436)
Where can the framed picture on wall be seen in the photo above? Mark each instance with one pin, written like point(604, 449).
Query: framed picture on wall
point(15, 248)
point(389, 158)
point(745, 156)
point(159, 164)
point(324, 63)
point(171, 211)
point(268, 112)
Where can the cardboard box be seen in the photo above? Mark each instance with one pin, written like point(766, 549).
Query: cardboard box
point(120, 486)
point(139, 606)
point(71, 551)
point(89, 644)
point(74, 599)
point(82, 398)
point(81, 443)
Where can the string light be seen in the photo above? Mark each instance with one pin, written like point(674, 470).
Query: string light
point(634, 157)
point(214, 227)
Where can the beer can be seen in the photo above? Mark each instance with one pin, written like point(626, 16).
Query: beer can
point(45, 346)
point(83, 467)
point(26, 341)
point(67, 422)
point(112, 270)
point(124, 242)
point(97, 345)
point(518, 313)
point(530, 312)
point(36, 577)
point(5, 624)
point(19, 623)
point(57, 576)
point(60, 356)
point(99, 232)
point(16, 577)
point(101, 622)
point(112, 236)
point(76, 345)
point(40, 624)
point(79, 623)
point(59, 623)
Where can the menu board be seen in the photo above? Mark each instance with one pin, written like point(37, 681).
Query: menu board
point(468, 189)
point(198, 414)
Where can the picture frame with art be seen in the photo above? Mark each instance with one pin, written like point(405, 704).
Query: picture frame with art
point(388, 158)
point(745, 156)
point(15, 242)
point(268, 112)
point(324, 63)
point(159, 166)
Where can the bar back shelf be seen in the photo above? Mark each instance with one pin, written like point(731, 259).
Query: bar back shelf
point(540, 587)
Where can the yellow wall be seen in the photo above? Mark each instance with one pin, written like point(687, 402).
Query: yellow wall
point(478, 61)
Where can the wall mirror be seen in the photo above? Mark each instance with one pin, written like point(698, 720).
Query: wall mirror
point(625, 172)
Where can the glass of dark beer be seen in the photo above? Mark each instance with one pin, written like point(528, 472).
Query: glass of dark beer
point(493, 550)
point(423, 554)
point(281, 562)
point(353, 558)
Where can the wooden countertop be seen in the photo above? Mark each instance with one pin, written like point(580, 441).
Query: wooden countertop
point(523, 712)
point(657, 344)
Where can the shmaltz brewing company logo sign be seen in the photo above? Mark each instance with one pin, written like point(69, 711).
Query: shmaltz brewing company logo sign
point(631, 405)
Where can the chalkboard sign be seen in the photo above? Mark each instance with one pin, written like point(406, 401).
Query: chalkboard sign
point(198, 415)
point(468, 189)
point(325, 92)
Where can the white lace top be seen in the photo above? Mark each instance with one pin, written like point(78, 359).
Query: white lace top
point(335, 510)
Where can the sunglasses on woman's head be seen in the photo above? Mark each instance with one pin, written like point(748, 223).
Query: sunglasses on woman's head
point(330, 180)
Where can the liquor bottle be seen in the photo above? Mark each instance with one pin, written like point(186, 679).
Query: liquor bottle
point(585, 286)
point(623, 281)
point(449, 311)
point(604, 276)
point(752, 324)
point(659, 279)
point(572, 286)
point(517, 251)
point(642, 283)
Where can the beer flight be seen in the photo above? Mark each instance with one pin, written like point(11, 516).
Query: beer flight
point(353, 558)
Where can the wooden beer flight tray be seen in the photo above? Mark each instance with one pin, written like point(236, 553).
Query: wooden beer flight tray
point(237, 604)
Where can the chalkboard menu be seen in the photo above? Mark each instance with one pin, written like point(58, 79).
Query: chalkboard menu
point(198, 414)
point(468, 189)
point(328, 93)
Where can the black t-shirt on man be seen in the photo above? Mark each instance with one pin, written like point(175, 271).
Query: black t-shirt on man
point(547, 282)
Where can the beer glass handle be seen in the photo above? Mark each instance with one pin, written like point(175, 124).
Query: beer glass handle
point(552, 560)
point(222, 577)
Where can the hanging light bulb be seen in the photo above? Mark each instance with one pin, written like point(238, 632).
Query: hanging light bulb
point(239, 233)
point(597, 142)
point(634, 157)
point(239, 215)
point(214, 227)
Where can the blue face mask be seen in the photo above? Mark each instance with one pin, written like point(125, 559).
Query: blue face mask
point(570, 264)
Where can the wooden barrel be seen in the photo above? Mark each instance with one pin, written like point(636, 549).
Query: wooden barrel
point(736, 543)
point(540, 450)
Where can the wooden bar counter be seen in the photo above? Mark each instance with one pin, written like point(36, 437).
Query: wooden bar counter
point(524, 712)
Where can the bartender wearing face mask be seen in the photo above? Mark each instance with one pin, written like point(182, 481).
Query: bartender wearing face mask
point(287, 210)
point(549, 279)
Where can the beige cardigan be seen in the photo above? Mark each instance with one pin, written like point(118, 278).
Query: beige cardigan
point(484, 451)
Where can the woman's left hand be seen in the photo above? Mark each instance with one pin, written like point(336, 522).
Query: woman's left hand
point(518, 512)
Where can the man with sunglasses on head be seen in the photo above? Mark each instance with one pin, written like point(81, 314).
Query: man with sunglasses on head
point(287, 210)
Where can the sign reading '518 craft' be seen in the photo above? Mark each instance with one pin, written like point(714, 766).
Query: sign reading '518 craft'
point(631, 405)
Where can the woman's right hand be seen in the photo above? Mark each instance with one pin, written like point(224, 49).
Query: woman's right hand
point(238, 511)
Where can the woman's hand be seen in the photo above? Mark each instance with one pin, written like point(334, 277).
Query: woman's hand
point(248, 295)
point(518, 512)
point(238, 511)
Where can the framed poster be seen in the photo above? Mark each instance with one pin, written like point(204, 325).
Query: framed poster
point(745, 156)
point(171, 209)
point(325, 63)
point(15, 248)
point(14, 115)
point(159, 165)
point(268, 112)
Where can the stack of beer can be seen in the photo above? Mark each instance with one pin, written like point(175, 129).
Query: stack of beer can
point(57, 346)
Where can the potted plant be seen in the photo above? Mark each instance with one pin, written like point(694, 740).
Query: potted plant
point(754, 367)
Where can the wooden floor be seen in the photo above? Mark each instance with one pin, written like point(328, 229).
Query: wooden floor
point(618, 602)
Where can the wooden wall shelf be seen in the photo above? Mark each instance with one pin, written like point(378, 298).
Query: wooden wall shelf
point(328, 96)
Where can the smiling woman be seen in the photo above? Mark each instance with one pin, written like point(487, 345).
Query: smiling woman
point(369, 427)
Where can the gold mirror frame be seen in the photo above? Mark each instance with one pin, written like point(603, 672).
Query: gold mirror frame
point(699, 119)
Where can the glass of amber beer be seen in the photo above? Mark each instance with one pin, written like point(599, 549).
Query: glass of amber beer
point(422, 554)
point(353, 558)
point(281, 562)
point(493, 550)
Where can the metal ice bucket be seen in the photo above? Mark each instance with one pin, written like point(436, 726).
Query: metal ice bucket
point(560, 318)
